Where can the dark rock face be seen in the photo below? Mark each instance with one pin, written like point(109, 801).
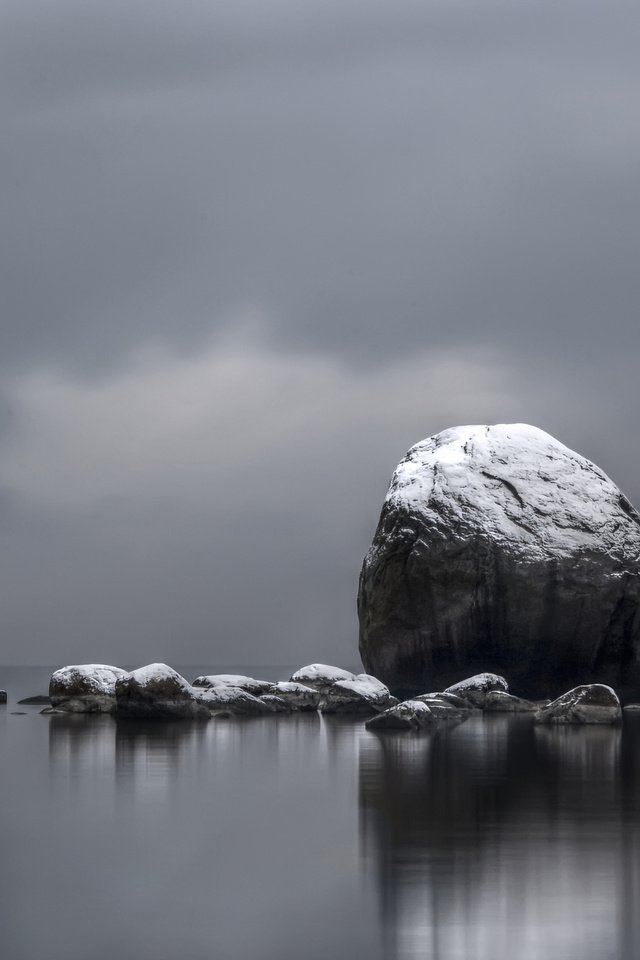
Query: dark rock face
point(499, 549)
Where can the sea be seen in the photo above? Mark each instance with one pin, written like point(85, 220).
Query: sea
point(306, 837)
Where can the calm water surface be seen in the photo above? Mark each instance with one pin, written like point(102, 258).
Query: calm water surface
point(306, 837)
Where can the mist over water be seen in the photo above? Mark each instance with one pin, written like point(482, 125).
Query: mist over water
point(307, 836)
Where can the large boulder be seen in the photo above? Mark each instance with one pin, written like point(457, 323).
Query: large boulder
point(85, 688)
point(500, 549)
point(159, 692)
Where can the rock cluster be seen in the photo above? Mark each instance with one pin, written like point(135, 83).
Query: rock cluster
point(158, 691)
point(499, 548)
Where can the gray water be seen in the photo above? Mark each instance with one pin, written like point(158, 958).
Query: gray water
point(306, 837)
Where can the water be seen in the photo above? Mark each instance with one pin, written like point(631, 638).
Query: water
point(306, 837)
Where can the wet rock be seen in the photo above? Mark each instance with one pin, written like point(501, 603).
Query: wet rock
point(158, 692)
point(408, 715)
point(85, 688)
point(500, 549)
point(588, 703)
point(361, 695)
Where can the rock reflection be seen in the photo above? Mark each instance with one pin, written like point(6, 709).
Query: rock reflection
point(499, 840)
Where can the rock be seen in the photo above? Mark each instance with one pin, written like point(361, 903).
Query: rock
point(362, 695)
point(409, 715)
point(450, 698)
point(158, 692)
point(631, 708)
point(3, 696)
point(297, 695)
point(256, 687)
point(475, 690)
point(444, 709)
point(497, 701)
point(227, 701)
point(277, 704)
point(84, 688)
point(588, 703)
point(49, 710)
point(320, 676)
point(35, 701)
point(499, 548)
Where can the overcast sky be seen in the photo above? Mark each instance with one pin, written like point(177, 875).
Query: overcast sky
point(252, 250)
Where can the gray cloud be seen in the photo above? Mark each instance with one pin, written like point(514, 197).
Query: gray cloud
point(250, 253)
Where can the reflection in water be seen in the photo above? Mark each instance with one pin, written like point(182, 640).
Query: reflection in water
point(505, 841)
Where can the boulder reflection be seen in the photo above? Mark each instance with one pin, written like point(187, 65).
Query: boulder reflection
point(499, 840)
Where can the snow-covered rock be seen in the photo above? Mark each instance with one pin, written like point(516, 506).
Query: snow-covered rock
point(408, 715)
point(250, 684)
point(361, 695)
point(497, 701)
point(85, 688)
point(499, 546)
point(476, 689)
point(158, 691)
point(227, 701)
point(588, 703)
point(320, 676)
point(297, 695)
point(444, 709)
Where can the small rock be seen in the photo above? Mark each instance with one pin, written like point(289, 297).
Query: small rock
point(444, 709)
point(297, 695)
point(158, 692)
point(34, 701)
point(476, 688)
point(320, 676)
point(255, 687)
point(362, 695)
point(85, 688)
point(588, 703)
point(632, 707)
point(3, 696)
point(408, 715)
point(497, 701)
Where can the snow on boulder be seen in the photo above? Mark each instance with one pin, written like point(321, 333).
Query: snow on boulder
point(297, 695)
point(320, 676)
point(500, 548)
point(85, 688)
point(588, 703)
point(158, 692)
point(408, 715)
point(256, 687)
point(363, 694)
point(476, 689)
